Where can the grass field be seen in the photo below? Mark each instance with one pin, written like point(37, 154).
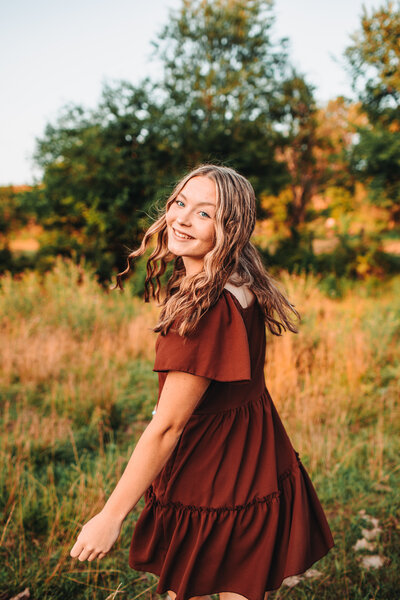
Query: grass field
point(77, 389)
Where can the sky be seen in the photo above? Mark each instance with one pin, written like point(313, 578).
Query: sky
point(54, 53)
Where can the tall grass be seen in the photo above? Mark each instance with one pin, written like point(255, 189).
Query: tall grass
point(77, 389)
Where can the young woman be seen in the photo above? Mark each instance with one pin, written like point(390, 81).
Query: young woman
point(229, 506)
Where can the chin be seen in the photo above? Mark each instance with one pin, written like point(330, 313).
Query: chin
point(172, 249)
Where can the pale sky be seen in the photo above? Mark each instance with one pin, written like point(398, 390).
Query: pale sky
point(54, 52)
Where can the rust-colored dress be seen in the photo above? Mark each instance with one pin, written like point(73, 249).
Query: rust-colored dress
point(233, 509)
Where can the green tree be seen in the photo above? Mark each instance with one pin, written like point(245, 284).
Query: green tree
point(223, 87)
point(297, 148)
point(12, 219)
point(98, 178)
point(374, 64)
point(222, 97)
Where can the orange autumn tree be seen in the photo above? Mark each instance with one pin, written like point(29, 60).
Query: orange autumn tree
point(316, 158)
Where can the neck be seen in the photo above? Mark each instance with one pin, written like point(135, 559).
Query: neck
point(192, 266)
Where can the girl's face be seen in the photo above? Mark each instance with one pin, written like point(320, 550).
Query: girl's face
point(192, 213)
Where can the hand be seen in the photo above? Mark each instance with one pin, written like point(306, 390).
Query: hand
point(96, 537)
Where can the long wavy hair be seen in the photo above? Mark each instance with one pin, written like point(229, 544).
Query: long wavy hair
point(233, 258)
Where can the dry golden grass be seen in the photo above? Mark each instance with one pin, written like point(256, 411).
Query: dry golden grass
point(320, 378)
point(76, 372)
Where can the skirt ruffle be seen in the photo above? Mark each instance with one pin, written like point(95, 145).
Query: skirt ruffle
point(248, 549)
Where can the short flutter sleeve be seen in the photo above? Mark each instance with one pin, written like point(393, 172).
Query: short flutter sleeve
point(218, 349)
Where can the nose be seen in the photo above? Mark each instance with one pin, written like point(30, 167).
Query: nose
point(183, 218)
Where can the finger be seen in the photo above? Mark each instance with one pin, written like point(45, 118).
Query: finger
point(85, 554)
point(93, 555)
point(102, 555)
point(76, 549)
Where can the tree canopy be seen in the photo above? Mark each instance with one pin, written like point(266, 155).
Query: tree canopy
point(222, 97)
point(229, 94)
point(374, 64)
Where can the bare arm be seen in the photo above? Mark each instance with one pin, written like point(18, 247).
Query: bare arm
point(180, 395)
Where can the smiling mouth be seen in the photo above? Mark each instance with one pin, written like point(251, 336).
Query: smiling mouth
point(181, 236)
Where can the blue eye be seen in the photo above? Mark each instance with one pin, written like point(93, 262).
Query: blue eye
point(202, 211)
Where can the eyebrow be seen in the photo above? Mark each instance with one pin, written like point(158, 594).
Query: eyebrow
point(199, 203)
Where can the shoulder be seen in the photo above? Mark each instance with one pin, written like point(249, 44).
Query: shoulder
point(224, 313)
point(221, 313)
point(220, 333)
point(243, 294)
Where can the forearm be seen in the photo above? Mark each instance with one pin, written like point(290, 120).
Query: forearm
point(180, 395)
point(148, 458)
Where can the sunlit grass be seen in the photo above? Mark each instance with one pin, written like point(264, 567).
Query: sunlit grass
point(77, 389)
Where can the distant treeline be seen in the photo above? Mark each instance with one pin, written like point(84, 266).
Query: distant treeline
point(228, 93)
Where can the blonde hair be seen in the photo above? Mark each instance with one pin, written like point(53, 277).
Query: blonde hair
point(187, 298)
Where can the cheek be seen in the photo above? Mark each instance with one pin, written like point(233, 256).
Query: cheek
point(169, 216)
point(210, 235)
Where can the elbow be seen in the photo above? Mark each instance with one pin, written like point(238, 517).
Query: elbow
point(167, 430)
point(174, 432)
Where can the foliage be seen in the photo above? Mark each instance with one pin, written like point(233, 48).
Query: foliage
point(12, 218)
point(374, 63)
point(98, 180)
point(316, 157)
point(10, 213)
point(223, 87)
point(376, 160)
point(227, 93)
point(354, 257)
point(300, 121)
point(222, 97)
